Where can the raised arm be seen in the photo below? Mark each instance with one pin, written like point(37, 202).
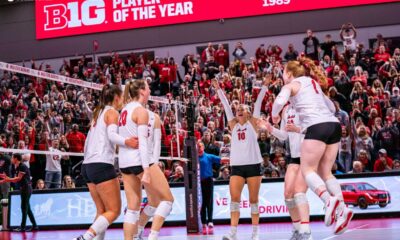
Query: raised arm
point(224, 101)
point(260, 97)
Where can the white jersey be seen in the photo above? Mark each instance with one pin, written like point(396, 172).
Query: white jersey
point(53, 161)
point(150, 139)
point(349, 42)
point(98, 147)
point(295, 139)
point(128, 157)
point(244, 146)
point(310, 104)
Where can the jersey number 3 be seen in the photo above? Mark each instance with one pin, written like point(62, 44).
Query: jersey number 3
point(122, 118)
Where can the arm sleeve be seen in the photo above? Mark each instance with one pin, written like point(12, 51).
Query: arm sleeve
point(280, 101)
point(329, 104)
point(257, 105)
point(227, 107)
point(281, 134)
point(143, 149)
point(115, 138)
point(157, 145)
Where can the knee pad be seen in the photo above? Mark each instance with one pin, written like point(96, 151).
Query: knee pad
point(300, 198)
point(235, 207)
point(290, 203)
point(254, 208)
point(131, 216)
point(164, 209)
point(149, 210)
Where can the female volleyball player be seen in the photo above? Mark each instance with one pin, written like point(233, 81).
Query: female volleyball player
point(137, 166)
point(245, 161)
point(322, 135)
point(98, 164)
point(154, 146)
point(295, 185)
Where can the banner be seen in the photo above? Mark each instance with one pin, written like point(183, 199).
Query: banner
point(74, 17)
point(363, 195)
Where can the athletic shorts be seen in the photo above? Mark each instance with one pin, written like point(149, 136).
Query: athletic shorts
point(246, 171)
point(328, 132)
point(135, 170)
point(98, 172)
point(294, 161)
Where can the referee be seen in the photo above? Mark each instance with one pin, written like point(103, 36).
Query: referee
point(23, 177)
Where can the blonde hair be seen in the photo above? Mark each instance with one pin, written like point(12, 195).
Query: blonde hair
point(132, 89)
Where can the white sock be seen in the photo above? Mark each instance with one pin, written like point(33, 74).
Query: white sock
point(88, 235)
point(296, 225)
point(304, 227)
point(333, 187)
point(100, 225)
point(317, 186)
point(234, 230)
point(153, 234)
point(256, 229)
point(100, 236)
point(140, 230)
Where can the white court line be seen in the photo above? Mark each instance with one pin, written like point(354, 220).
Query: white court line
point(351, 230)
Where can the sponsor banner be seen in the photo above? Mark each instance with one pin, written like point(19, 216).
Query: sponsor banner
point(75, 17)
point(62, 208)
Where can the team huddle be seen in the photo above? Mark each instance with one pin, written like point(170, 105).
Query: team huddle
point(307, 121)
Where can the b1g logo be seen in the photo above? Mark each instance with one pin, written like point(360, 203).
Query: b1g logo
point(73, 14)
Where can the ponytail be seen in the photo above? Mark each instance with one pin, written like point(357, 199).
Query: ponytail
point(132, 89)
point(315, 72)
point(127, 96)
point(106, 98)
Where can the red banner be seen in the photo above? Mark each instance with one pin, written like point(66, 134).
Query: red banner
point(73, 17)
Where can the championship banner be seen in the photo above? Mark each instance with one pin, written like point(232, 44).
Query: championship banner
point(74, 17)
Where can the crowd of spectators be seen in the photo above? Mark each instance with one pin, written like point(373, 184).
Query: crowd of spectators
point(38, 114)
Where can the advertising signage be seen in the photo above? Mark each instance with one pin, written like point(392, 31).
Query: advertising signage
point(74, 17)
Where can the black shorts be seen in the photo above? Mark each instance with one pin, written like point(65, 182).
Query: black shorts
point(98, 172)
point(246, 171)
point(135, 170)
point(328, 132)
point(294, 161)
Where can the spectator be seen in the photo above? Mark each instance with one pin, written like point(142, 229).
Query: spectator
point(263, 142)
point(53, 166)
point(221, 56)
point(224, 174)
point(327, 46)
point(26, 156)
point(291, 54)
point(396, 165)
point(348, 34)
point(383, 163)
point(225, 149)
point(358, 167)
point(177, 176)
point(282, 166)
point(76, 141)
point(345, 159)
point(239, 53)
point(335, 169)
point(210, 147)
point(68, 183)
point(40, 185)
point(388, 137)
point(274, 173)
point(311, 44)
